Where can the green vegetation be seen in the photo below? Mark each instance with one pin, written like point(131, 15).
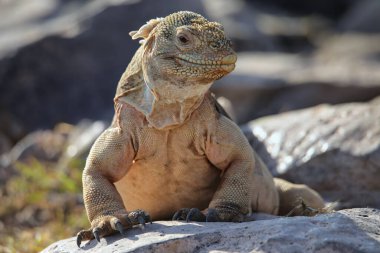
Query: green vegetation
point(40, 205)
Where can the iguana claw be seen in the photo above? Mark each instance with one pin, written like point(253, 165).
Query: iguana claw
point(96, 234)
point(79, 240)
point(120, 228)
point(141, 221)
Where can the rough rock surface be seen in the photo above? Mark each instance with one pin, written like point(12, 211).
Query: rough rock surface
point(333, 149)
point(353, 230)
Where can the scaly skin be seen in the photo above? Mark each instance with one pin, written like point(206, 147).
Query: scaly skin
point(170, 150)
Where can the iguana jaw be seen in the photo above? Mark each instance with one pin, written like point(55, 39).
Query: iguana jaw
point(226, 63)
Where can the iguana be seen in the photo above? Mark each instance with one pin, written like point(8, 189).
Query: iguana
point(171, 150)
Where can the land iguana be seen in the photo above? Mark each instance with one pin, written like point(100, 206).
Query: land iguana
point(171, 151)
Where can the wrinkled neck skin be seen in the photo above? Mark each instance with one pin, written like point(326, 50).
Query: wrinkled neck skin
point(167, 101)
point(165, 111)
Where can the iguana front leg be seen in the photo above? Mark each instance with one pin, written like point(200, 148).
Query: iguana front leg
point(109, 160)
point(228, 150)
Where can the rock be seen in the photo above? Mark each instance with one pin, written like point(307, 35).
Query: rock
point(332, 9)
point(363, 17)
point(333, 149)
point(344, 69)
point(5, 143)
point(25, 22)
point(10, 128)
point(354, 230)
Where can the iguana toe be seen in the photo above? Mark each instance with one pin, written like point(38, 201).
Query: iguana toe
point(120, 228)
point(84, 235)
point(181, 214)
point(212, 215)
point(195, 215)
point(189, 214)
point(139, 217)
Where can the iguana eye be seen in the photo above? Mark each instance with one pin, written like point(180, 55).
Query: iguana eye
point(183, 39)
point(214, 45)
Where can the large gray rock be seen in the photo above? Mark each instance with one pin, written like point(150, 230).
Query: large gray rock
point(332, 9)
point(24, 22)
point(362, 17)
point(355, 230)
point(5, 144)
point(333, 149)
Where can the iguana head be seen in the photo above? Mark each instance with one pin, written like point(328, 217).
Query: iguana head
point(186, 48)
point(180, 57)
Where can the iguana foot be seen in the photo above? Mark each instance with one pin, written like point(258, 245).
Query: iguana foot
point(212, 215)
point(110, 224)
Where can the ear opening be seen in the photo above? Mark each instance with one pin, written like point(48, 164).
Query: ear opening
point(146, 29)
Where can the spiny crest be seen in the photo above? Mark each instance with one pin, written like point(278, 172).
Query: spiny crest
point(183, 18)
point(189, 18)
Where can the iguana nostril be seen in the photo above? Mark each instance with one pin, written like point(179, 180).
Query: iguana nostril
point(229, 59)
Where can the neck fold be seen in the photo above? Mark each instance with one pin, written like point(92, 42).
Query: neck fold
point(160, 112)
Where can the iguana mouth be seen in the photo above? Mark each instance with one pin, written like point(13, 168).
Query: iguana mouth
point(227, 63)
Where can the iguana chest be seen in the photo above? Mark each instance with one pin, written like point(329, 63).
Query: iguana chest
point(170, 171)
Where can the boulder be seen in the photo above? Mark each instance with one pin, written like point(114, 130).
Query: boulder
point(333, 149)
point(331, 9)
point(354, 230)
point(362, 17)
point(5, 143)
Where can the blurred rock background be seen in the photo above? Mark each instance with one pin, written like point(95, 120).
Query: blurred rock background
point(60, 61)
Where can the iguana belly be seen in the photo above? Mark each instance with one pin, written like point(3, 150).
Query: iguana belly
point(162, 188)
